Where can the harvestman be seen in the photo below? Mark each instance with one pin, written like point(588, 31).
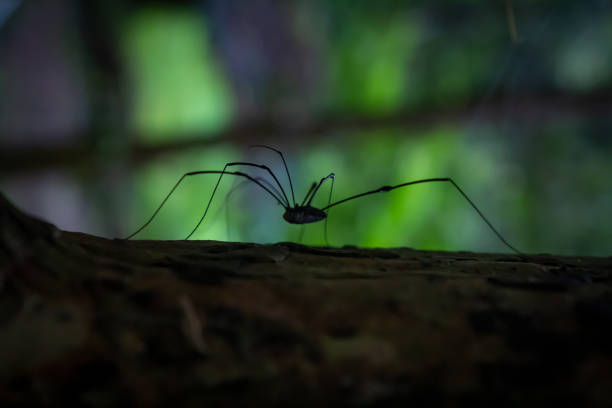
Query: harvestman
point(304, 212)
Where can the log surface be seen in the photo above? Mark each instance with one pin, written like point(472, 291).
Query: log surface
point(101, 322)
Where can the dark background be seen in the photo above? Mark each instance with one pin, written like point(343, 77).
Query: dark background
point(105, 104)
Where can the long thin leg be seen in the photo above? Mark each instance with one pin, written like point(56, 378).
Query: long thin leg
point(311, 193)
point(264, 182)
point(284, 164)
point(266, 168)
point(331, 190)
point(233, 190)
point(301, 236)
point(310, 190)
point(445, 179)
point(193, 173)
point(227, 205)
point(261, 166)
point(310, 196)
point(331, 176)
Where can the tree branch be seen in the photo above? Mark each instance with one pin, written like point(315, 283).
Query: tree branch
point(537, 108)
point(98, 321)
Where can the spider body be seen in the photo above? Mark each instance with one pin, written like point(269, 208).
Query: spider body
point(304, 214)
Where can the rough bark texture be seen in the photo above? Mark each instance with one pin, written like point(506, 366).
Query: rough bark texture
point(112, 322)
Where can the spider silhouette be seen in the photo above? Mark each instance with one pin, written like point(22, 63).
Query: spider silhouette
point(303, 212)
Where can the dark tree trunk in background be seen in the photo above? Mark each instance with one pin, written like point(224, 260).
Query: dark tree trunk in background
point(202, 323)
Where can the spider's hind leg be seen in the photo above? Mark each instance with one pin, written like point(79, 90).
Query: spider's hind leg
point(280, 198)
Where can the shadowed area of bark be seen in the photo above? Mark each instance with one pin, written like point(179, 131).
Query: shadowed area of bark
point(112, 322)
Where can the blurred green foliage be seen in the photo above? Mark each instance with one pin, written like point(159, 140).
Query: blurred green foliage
point(381, 50)
point(376, 63)
point(584, 63)
point(524, 128)
point(178, 86)
point(181, 213)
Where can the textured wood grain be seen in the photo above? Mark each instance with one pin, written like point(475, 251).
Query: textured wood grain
point(112, 322)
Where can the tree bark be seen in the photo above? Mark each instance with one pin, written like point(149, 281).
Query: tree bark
point(106, 322)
